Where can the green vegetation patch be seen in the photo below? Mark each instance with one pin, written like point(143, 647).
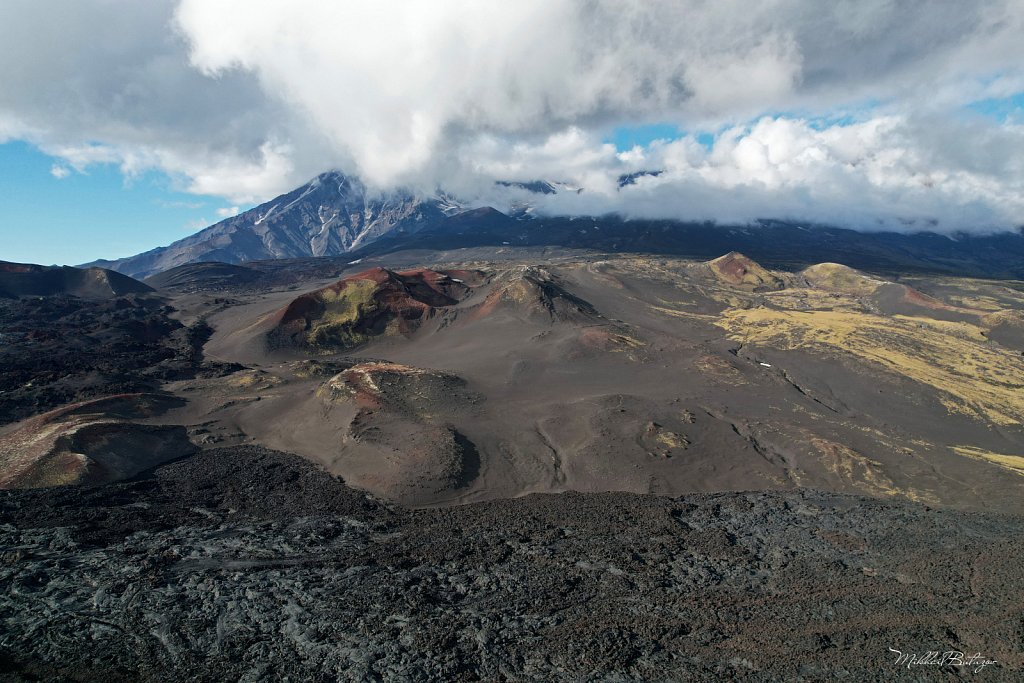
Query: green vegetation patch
point(342, 323)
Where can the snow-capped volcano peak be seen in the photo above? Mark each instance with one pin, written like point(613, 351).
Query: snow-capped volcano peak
point(331, 214)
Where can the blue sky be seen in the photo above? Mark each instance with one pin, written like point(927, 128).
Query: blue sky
point(85, 216)
point(1003, 109)
point(627, 137)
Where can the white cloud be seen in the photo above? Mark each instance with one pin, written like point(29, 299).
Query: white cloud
point(59, 171)
point(243, 100)
point(885, 172)
point(228, 211)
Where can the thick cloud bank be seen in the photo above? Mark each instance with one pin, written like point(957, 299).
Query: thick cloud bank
point(853, 113)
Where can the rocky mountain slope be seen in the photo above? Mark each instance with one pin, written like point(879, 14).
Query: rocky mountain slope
point(775, 244)
point(56, 350)
point(91, 442)
point(330, 215)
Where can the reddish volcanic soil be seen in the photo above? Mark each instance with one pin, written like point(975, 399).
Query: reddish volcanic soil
point(734, 266)
point(403, 298)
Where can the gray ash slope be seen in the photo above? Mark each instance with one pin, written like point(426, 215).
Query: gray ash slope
point(246, 564)
point(330, 215)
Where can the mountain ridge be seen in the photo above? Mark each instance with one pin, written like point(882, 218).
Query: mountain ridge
point(29, 279)
point(335, 215)
point(327, 216)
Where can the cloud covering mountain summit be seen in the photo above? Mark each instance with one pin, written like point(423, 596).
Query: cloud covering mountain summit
point(858, 112)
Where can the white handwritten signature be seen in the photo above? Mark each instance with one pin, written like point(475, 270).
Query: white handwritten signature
point(975, 662)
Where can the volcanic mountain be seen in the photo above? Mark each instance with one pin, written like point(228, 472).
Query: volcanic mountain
point(468, 378)
point(335, 215)
point(445, 377)
point(330, 215)
point(397, 422)
point(27, 279)
point(533, 292)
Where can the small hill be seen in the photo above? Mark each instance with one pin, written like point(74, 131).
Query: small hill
point(534, 292)
point(369, 304)
point(890, 298)
point(403, 446)
point(836, 277)
point(203, 275)
point(481, 220)
point(27, 279)
point(738, 270)
point(92, 442)
point(401, 388)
